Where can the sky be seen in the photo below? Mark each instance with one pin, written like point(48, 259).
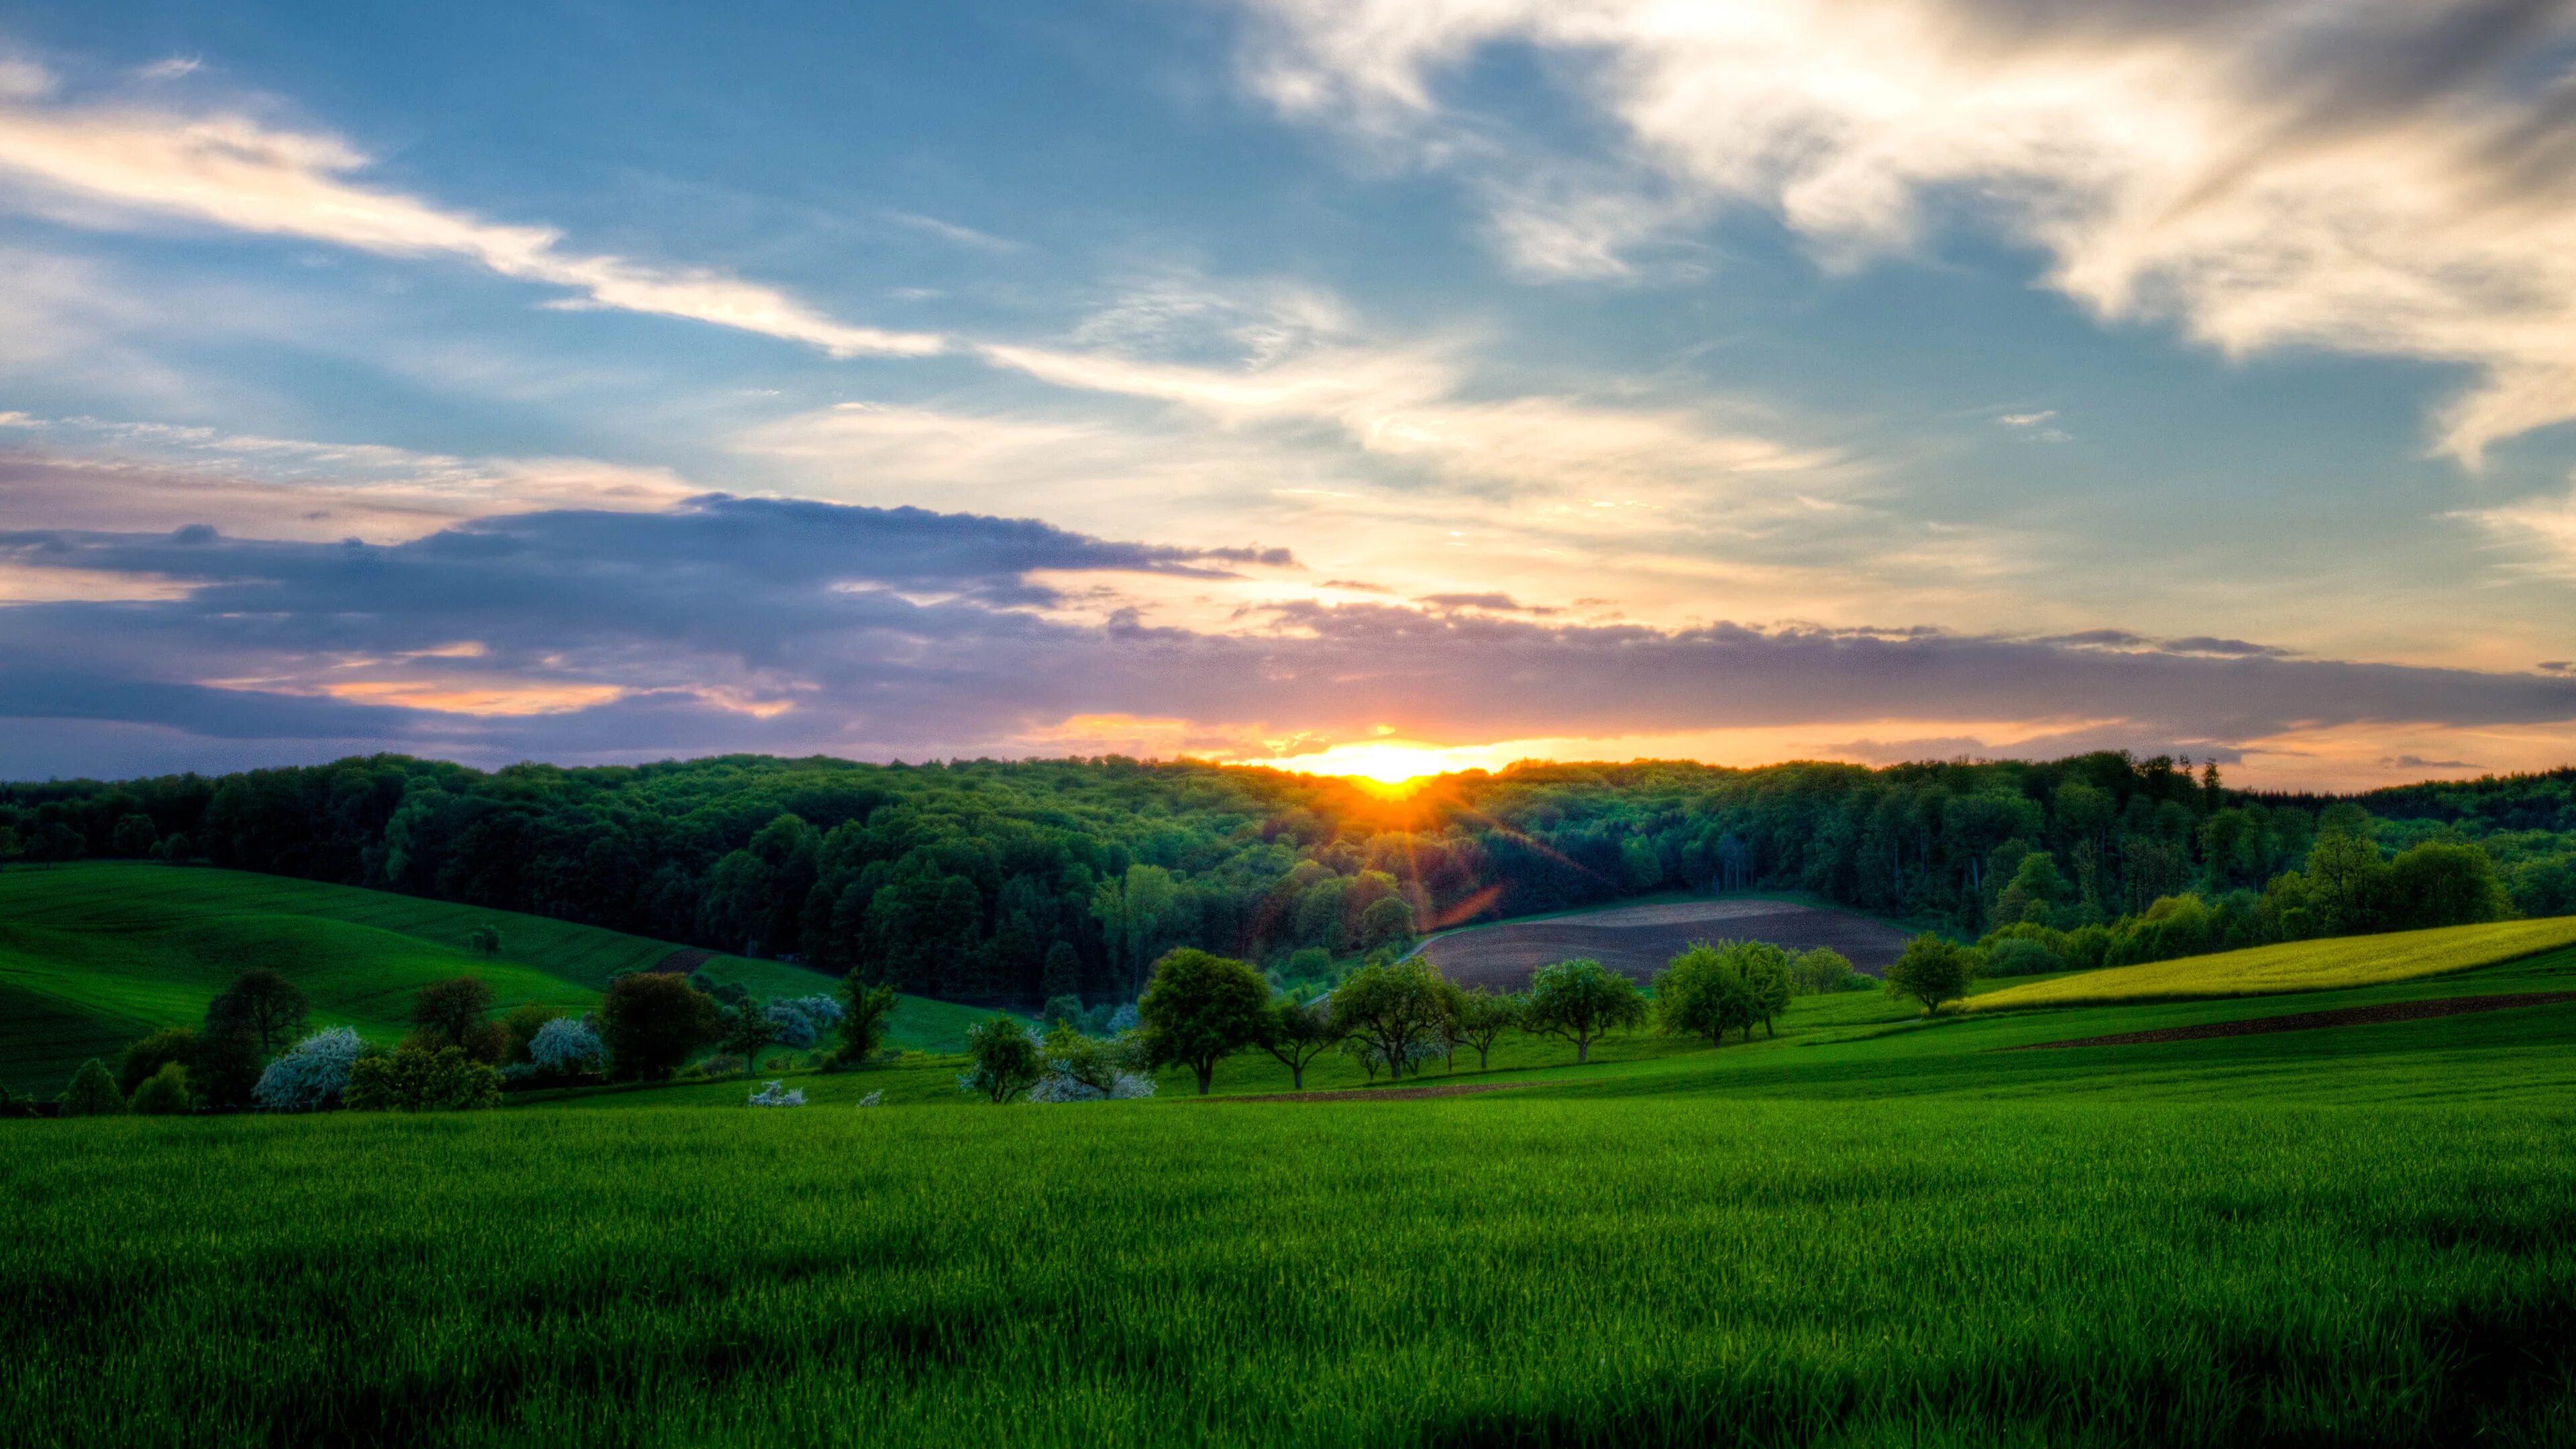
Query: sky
point(1370, 385)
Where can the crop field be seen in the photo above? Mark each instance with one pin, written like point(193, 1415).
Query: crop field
point(94, 956)
point(1637, 940)
point(2298, 966)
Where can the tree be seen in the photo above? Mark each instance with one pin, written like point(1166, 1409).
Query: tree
point(2347, 884)
point(1062, 973)
point(484, 939)
point(2440, 883)
point(1766, 976)
point(1200, 1009)
point(1480, 1017)
point(1299, 1032)
point(864, 1022)
point(262, 1005)
point(163, 1094)
point(1003, 1059)
point(450, 1013)
point(1387, 921)
point(134, 837)
point(92, 1092)
point(1581, 1001)
point(1932, 970)
point(224, 1068)
point(412, 1080)
point(521, 1026)
point(148, 1056)
point(1395, 1013)
point(652, 1021)
point(1705, 991)
point(1821, 970)
point(312, 1074)
point(746, 1030)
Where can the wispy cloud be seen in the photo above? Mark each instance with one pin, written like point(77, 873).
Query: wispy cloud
point(104, 166)
point(171, 68)
point(2378, 179)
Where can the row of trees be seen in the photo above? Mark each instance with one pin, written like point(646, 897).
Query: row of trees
point(1024, 881)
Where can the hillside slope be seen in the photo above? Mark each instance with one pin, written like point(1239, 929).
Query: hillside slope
point(2294, 966)
point(93, 956)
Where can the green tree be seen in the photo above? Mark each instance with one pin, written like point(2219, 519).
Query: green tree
point(1200, 1009)
point(1767, 976)
point(1933, 970)
point(1394, 1012)
point(1062, 973)
point(413, 1080)
point(2443, 883)
point(652, 1021)
point(134, 837)
point(151, 1054)
point(1821, 970)
point(748, 1029)
point(262, 1005)
point(868, 1012)
point(485, 940)
point(1003, 1059)
point(521, 1026)
point(1386, 922)
point(163, 1094)
point(224, 1067)
point(1704, 992)
point(2348, 884)
point(1581, 1001)
point(1480, 1017)
point(92, 1092)
point(451, 1013)
point(1299, 1032)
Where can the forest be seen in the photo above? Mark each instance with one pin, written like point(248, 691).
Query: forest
point(987, 880)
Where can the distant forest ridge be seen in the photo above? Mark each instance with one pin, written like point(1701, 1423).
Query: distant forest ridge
point(1026, 879)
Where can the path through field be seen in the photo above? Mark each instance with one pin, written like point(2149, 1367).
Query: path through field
point(1638, 940)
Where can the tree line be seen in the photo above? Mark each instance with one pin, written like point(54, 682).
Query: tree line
point(1029, 880)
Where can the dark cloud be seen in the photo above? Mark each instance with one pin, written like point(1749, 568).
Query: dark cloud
point(2558, 666)
point(758, 625)
point(2418, 762)
point(1499, 603)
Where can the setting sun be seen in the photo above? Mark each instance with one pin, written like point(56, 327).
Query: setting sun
point(1393, 768)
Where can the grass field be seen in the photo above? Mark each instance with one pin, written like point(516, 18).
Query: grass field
point(1870, 1230)
point(2297, 966)
point(94, 956)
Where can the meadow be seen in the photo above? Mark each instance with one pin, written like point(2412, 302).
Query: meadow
point(93, 956)
point(1870, 1230)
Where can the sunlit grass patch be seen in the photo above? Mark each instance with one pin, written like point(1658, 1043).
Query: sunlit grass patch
point(2346, 961)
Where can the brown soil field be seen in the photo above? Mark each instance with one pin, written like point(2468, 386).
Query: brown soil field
point(682, 961)
point(1637, 941)
point(2317, 1020)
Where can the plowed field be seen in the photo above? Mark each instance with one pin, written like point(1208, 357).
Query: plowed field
point(1637, 940)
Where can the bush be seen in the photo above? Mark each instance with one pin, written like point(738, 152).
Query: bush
point(863, 1022)
point(145, 1059)
point(521, 1026)
point(224, 1069)
point(1062, 1009)
point(2020, 956)
point(776, 1094)
point(312, 1074)
point(163, 1094)
point(1823, 971)
point(722, 1064)
point(1005, 1058)
point(652, 1021)
point(564, 1047)
point(92, 1092)
point(418, 1081)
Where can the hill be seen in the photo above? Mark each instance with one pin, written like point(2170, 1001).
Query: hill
point(1639, 940)
point(94, 955)
point(2297, 966)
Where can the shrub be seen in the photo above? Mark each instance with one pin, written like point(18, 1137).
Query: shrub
point(1824, 970)
point(147, 1057)
point(92, 1092)
point(873, 1099)
point(2020, 956)
point(792, 1027)
point(1309, 961)
point(564, 1047)
point(863, 1023)
point(722, 1064)
point(651, 1022)
point(418, 1081)
point(776, 1094)
point(521, 1026)
point(312, 1074)
point(163, 1094)
point(1059, 1009)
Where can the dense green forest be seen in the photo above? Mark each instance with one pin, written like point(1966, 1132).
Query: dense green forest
point(987, 879)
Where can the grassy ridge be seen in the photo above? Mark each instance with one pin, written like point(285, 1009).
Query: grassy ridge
point(93, 956)
point(2296, 966)
point(1937, 1271)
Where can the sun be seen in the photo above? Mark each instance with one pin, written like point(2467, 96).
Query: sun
point(1389, 769)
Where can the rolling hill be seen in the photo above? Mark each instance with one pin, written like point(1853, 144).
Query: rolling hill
point(2296, 966)
point(93, 956)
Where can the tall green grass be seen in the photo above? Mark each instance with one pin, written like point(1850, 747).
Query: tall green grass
point(1471, 1271)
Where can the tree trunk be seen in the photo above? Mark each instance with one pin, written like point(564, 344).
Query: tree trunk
point(1296, 1076)
point(1206, 1071)
point(1582, 1050)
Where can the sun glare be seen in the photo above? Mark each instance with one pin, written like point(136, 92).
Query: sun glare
point(1389, 768)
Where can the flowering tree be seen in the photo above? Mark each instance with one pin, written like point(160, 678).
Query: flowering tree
point(311, 1074)
point(564, 1047)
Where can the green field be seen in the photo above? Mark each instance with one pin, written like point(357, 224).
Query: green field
point(1871, 1230)
point(2298, 966)
point(94, 956)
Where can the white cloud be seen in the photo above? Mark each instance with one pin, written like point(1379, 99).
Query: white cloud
point(2539, 532)
point(233, 171)
point(2378, 178)
point(172, 68)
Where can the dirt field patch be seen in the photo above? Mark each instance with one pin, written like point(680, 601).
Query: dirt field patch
point(682, 961)
point(2316, 1020)
point(1389, 1094)
point(1637, 941)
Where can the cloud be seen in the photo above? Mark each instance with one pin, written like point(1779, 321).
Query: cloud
point(2418, 762)
point(730, 623)
point(2539, 532)
point(171, 69)
point(2383, 179)
point(102, 166)
point(964, 236)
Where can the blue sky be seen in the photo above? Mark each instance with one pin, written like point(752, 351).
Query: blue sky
point(1424, 382)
